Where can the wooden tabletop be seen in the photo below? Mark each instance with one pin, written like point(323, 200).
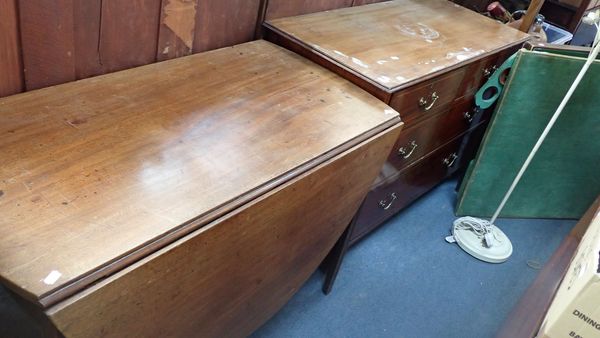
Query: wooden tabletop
point(395, 42)
point(97, 173)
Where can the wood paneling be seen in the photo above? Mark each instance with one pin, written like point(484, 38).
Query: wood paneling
point(87, 16)
point(285, 8)
point(47, 42)
point(11, 80)
point(65, 40)
point(225, 23)
point(191, 26)
point(365, 2)
point(128, 33)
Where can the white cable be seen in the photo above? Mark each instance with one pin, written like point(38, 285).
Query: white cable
point(590, 60)
point(481, 227)
point(477, 225)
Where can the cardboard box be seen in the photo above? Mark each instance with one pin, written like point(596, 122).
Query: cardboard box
point(575, 311)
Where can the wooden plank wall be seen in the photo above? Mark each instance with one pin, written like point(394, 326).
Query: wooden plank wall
point(11, 71)
point(48, 42)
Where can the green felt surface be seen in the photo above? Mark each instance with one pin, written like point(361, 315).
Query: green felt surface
point(564, 177)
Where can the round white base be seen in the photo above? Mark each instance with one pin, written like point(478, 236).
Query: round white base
point(474, 246)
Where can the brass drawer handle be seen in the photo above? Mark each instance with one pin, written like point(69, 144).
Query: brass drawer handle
point(406, 153)
point(385, 204)
point(489, 71)
point(428, 104)
point(468, 116)
point(449, 161)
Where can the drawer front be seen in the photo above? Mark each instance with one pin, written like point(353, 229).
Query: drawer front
point(479, 72)
point(228, 277)
point(384, 201)
point(422, 100)
point(423, 138)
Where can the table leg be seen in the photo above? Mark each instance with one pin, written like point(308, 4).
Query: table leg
point(334, 259)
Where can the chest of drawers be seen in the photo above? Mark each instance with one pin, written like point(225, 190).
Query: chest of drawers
point(426, 59)
point(186, 198)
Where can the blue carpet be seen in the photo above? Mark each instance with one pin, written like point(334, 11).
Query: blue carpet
point(404, 280)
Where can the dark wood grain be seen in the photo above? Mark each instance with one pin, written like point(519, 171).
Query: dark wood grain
point(229, 277)
point(128, 33)
point(225, 23)
point(286, 8)
point(262, 13)
point(526, 317)
point(11, 68)
point(430, 96)
point(424, 137)
point(66, 40)
point(581, 10)
point(87, 33)
point(101, 172)
point(406, 186)
point(47, 41)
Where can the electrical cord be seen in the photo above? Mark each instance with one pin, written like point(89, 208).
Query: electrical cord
point(484, 229)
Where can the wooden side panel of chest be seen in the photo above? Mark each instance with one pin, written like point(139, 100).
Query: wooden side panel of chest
point(227, 278)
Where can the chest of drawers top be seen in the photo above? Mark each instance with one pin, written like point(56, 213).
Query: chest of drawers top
point(394, 44)
point(96, 172)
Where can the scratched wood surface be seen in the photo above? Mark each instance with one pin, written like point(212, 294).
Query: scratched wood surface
point(11, 80)
point(396, 42)
point(102, 169)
